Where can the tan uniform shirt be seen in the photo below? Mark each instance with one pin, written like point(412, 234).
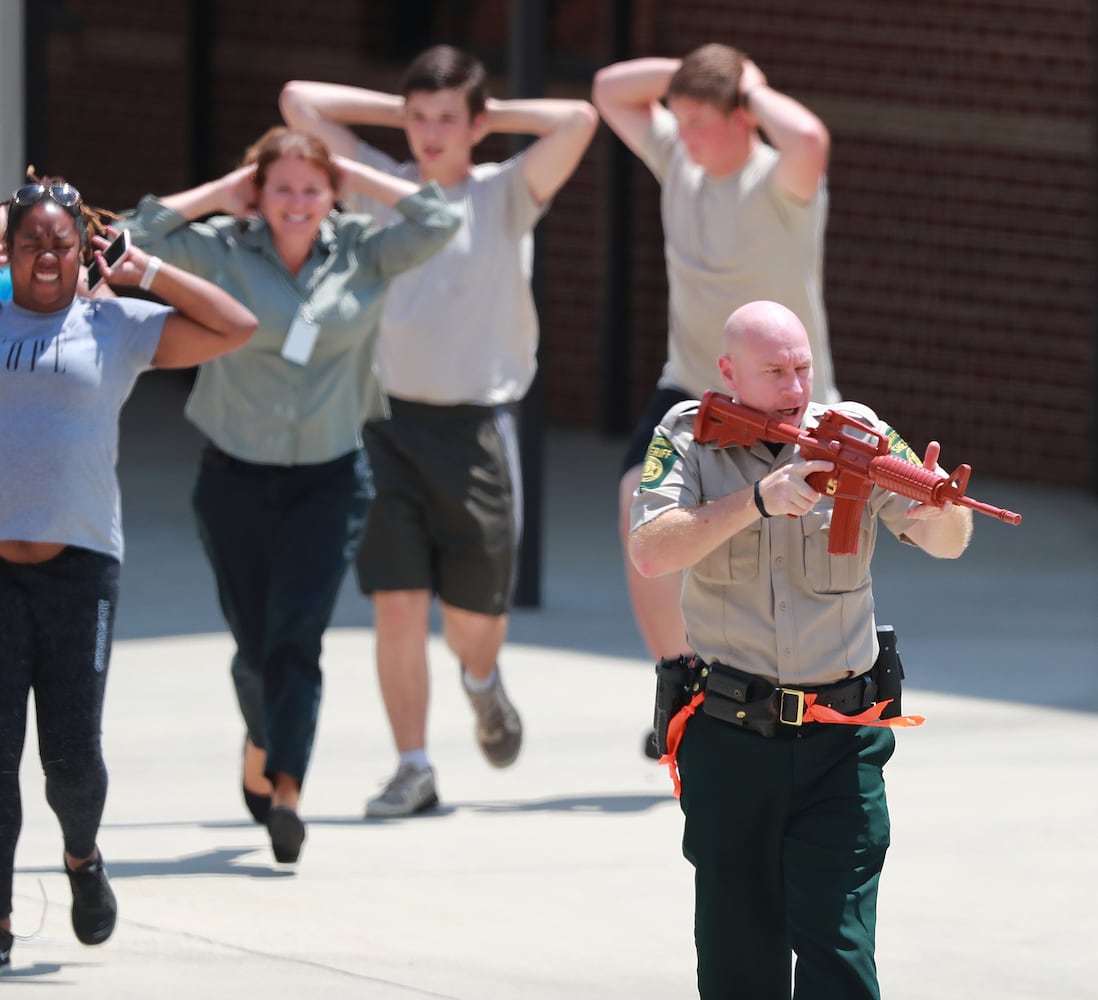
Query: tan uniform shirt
point(770, 600)
point(729, 241)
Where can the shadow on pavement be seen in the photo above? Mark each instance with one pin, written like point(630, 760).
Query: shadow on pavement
point(219, 861)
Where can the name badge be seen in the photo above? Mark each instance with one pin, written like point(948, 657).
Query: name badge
point(299, 342)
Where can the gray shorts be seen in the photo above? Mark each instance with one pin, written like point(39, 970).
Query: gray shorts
point(448, 512)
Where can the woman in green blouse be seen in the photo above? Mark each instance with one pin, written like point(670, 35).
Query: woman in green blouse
point(284, 485)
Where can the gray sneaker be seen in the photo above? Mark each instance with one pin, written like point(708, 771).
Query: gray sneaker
point(499, 728)
point(411, 790)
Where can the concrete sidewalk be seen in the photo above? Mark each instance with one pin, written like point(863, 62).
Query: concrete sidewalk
point(562, 876)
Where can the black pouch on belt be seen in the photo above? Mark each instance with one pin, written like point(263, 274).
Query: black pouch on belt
point(740, 698)
point(888, 671)
point(674, 680)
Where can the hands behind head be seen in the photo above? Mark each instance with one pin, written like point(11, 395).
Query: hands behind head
point(346, 168)
point(239, 194)
point(750, 77)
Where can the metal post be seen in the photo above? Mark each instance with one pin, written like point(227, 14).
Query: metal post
point(527, 71)
point(1093, 429)
point(41, 19)
point(36, 33)
point(199, 98)
point(614, 351)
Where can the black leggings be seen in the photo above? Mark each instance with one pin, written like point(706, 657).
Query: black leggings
point(56, 626)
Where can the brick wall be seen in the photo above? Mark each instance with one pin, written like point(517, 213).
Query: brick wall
point(960, 261)
point(960, 251)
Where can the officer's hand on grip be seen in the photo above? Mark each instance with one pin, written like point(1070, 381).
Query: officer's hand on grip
point(785, 491)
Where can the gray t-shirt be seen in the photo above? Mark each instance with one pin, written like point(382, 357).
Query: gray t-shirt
point(63, 379)
point(461, 328)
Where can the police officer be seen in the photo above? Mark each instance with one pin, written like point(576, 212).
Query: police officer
point(786, 820)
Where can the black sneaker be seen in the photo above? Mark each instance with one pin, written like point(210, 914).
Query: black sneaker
point(6, 941)
point(94, 908)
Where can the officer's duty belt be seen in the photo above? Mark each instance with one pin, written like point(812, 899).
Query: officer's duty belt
point(754, 703)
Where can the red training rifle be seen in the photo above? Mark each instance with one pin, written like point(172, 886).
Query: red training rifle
point(861, 456)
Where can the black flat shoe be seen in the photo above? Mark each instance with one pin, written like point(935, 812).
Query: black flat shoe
point(287, 834)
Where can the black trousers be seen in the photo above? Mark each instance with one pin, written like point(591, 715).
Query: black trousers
point(279, 540)
point(787, 837)
point(56, 628)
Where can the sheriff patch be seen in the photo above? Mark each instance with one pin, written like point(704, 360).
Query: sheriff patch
point(658, 461)
point(901, 449)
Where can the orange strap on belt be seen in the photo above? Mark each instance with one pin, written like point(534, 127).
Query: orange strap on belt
point(812, 713)
point(870, 717)
point(675, 728)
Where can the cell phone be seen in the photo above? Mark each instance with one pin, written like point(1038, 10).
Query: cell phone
point(113, 254)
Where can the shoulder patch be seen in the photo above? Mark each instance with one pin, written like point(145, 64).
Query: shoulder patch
point(901, 449)
point(658, 461)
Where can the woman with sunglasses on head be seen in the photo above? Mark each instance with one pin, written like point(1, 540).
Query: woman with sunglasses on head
point(284, 485)
point(69, 365)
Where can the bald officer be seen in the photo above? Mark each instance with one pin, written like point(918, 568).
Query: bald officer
point(786, 819)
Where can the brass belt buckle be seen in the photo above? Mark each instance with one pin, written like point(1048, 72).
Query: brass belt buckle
point(790, 703)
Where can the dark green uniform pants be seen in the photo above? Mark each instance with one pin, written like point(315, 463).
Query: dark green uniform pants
point(787, 837)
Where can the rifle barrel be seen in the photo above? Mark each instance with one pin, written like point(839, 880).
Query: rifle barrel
point(985, 508)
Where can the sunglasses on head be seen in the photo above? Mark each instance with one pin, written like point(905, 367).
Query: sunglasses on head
point(31, 194)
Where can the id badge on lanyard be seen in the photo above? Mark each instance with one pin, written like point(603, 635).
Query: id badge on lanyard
point(298, 345)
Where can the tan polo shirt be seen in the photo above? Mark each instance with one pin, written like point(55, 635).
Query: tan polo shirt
point(771, 600)
point(728, 241)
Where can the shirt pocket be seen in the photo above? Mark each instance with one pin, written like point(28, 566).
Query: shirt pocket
point(828, 574)
point(736, 561)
